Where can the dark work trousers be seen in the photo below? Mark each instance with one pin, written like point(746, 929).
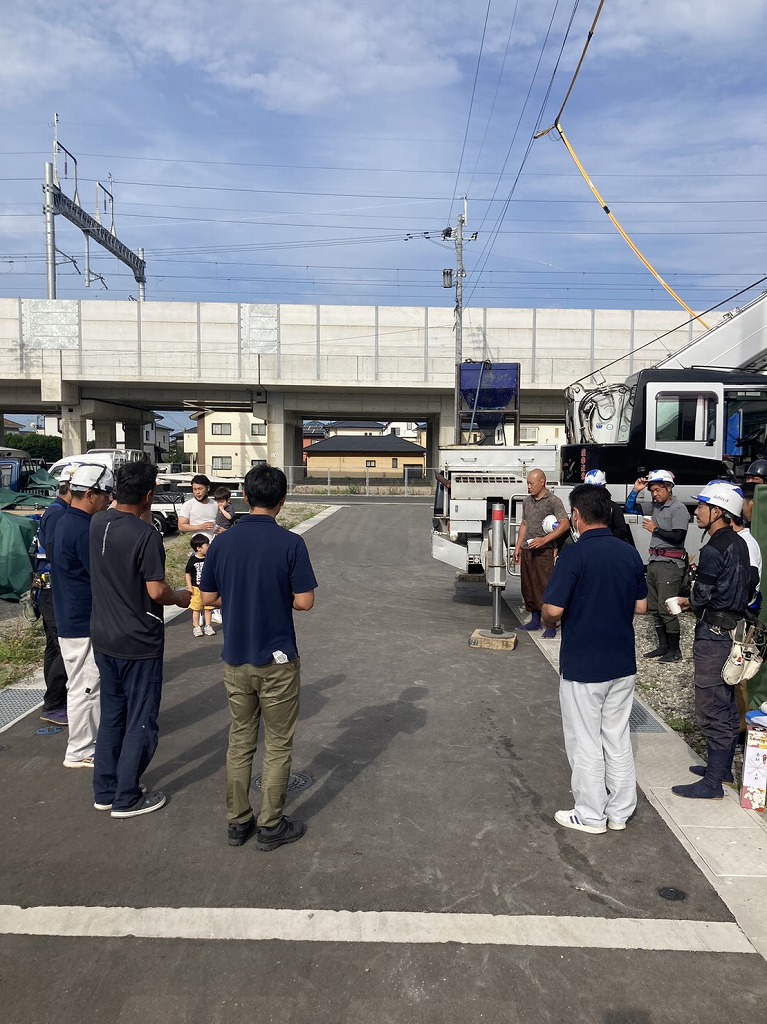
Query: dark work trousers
point(127, 737)
point(664, 579)
point(536, 565)
point(53, 664)
point(716, 710)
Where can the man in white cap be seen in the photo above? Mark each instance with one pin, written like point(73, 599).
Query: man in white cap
point(91, 489)
point(54, 672)
point(720, 592)
point(668, 558)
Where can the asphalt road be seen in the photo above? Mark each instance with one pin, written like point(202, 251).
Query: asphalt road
point(437, 770)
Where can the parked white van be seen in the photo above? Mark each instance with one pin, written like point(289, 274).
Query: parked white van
point(112, 458)
point(164, 517)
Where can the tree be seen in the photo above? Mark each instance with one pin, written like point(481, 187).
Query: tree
point(177, 454)
point(39, 446)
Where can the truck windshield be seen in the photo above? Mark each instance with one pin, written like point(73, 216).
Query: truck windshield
point(746, 423)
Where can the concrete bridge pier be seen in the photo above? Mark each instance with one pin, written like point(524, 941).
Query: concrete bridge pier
point(73, 429)
point(284, 433)
point(133, 436)
point(105, 433)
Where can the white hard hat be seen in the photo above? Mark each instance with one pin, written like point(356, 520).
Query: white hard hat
point(660, 476)
point(92, 477)
point(595, 477)
point(66, 474)
point(549, 524)
point(722, 494)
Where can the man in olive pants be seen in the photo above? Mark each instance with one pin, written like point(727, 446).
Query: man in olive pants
point(260, 574)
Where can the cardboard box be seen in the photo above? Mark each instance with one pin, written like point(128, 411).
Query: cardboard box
point(754, 789)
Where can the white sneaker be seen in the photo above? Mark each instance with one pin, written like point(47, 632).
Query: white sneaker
point(209, 631)
point(197, 631)
point(569, 819)
point(216, 616)
point(616, 826)
point(86, 762)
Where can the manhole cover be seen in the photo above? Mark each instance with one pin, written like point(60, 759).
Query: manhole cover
point(14, 704)
point(675, 895)
point(296, 782)
point(640, 720)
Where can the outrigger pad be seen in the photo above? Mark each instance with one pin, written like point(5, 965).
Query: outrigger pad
point(489, 641)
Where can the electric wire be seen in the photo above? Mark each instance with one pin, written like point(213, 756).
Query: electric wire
point(488, 247)
point(471, 107)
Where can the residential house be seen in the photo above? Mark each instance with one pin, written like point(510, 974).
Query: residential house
point(225, 445)
point(355, 428)
point(366, 455)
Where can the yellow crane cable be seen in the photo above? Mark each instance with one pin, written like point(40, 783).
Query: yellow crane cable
point(588, 181)
point(622, 233)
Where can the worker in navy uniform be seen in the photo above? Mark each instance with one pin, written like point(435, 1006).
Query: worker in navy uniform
point(54, 670)
point(668, 558)
point(719, 595)
point(598, 580)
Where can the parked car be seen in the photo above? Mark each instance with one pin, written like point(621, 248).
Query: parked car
point(165, 512)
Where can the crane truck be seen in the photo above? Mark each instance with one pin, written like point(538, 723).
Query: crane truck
point(701, 413)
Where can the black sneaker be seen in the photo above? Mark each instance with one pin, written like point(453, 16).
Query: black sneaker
point(286, 832)
point(149, 802)
point(239, 834)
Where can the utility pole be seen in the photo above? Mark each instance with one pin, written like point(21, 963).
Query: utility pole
point(447, 282)
point(459, 320)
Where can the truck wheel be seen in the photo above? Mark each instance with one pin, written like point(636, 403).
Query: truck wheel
point(158, 522)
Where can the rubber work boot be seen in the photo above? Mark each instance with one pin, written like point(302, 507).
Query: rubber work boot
point(662, 647)
point(533, 624)
point(710, 786)
point(673, 653)
point(728, 778)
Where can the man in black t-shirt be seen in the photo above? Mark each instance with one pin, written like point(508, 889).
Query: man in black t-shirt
point(127, 563)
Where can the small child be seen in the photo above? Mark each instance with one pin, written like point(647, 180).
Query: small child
point(225, 513)
point(199, 544)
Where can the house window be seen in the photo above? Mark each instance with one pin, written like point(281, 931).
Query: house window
point(221, 428)
point(258, 429)
point(257, 462)
point(221, 462)
point(395, 463)
point(146, 435)
point(370, 464)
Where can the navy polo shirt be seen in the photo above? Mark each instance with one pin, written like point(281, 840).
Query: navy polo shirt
point(598, 582)
point(49, 522)
point(71, 575)
point(257, 568)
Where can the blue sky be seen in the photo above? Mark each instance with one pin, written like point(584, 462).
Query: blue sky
point(278, 151)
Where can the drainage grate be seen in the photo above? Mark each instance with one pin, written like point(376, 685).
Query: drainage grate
point(14, 704)
point(296, 782)
point(640, 720)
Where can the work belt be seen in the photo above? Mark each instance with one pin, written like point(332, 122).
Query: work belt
point(667, 553)
point(721, 621)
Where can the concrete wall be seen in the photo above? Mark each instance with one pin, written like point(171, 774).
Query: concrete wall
point(112, 361)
